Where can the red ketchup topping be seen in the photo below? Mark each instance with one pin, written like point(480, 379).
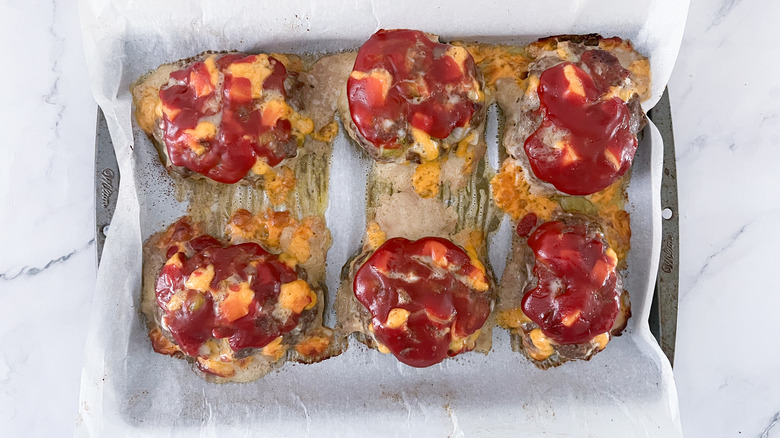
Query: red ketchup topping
point(244, 132)
point(429, 279)
point(577, 295)
point(526, 225)
point(584, 142)
point(198, 319)
point(429, 90)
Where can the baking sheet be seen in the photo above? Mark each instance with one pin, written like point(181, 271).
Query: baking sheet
point(627, 390)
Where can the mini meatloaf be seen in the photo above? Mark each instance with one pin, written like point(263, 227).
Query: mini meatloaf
point(227, 117)
point(573, 122)
point(568, 293)
point(412, 98)
point(420, 300)
point(232, 308)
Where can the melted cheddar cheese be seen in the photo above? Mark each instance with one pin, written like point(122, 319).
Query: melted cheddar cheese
point(511, 192)
point(499, 61)
point(375, 236)
point(426, 179)
point(275, 349)
point(313, 346)
point(149, 109)
point(614, 219)
point(256, 72)
point(279, 184)
point(269, 227)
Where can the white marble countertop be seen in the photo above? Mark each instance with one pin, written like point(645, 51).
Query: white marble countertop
point(724, 92)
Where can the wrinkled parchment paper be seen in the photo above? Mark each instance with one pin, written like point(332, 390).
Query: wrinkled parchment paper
point(127, 389)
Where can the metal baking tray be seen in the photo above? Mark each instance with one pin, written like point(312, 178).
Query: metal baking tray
point(663, 310)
